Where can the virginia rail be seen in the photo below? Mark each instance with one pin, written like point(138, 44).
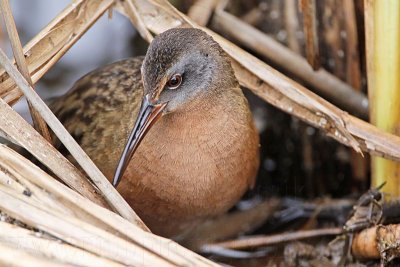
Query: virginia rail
point(200, 156)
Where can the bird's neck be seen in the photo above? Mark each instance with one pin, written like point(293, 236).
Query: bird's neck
point(205, 106)
point(210, 116)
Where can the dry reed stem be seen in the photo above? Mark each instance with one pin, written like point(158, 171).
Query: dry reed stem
point(254, 15)
point(132, 14)
point(353, 68)
point(37, 244)
point(17, 166)
point(76, 232)
point(17, 258)
point(354, 78)
point(50, 44)
point(280, 91)
point(201, 11)
point(308, 8)
point(259, 241)
point(369, 52)
point(17, 175)
point(114, 199)
point(291, 24)
point(13, 180)
point(40, 124)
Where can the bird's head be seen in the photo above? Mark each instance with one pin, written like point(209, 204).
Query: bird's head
point(181, 64)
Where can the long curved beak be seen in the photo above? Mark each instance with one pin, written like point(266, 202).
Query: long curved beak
point(149, 113)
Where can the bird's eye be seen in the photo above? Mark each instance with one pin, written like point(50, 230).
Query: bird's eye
point(174, 81)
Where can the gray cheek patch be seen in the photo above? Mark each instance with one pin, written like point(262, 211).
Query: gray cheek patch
point(197, 70)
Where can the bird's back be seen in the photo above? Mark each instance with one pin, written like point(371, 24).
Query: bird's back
point(99, 111)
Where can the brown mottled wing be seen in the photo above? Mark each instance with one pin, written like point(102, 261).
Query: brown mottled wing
point(100, 110)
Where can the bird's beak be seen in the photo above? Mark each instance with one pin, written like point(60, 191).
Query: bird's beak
point(149, 113)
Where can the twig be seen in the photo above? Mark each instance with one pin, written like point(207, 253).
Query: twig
point(291, 22)
point(324, 83)
point(258, 241)
point(132, 14)
point(38, 121)
point(308, 8)
point(201, 11)
point(113, 198)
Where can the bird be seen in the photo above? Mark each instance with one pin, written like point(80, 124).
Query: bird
point(171, 130)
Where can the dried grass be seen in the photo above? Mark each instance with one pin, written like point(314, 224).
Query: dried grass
point(34, 198)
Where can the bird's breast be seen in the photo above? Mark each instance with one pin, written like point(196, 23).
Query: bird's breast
point(193, 164)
